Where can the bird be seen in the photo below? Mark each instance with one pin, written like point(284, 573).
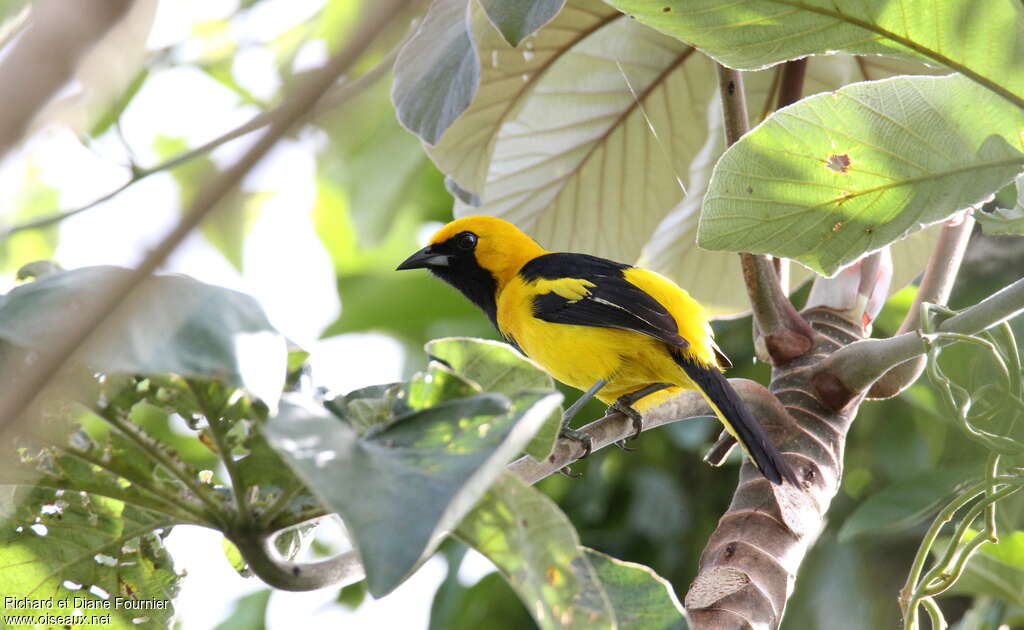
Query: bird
point(628, 336)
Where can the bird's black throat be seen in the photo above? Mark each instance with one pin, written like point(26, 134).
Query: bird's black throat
point(475, 282)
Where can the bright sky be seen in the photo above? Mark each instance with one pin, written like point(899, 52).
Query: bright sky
point(285, 268)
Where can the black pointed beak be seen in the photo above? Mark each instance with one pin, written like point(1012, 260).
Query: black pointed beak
point(424, 259)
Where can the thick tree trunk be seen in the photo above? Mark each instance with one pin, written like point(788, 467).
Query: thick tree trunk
point(749, 566)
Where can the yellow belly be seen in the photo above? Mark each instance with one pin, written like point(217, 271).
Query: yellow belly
point(579, 356)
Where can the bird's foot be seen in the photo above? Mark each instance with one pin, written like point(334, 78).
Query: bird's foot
point(578, 436)
point(625, 409)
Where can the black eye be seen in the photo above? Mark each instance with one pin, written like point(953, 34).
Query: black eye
point(465, 241)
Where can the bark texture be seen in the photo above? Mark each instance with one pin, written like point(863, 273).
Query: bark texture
point(749, 566)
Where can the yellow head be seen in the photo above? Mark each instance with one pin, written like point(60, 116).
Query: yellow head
point(477, 255)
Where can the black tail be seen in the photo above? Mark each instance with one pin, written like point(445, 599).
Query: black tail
point(735, 415)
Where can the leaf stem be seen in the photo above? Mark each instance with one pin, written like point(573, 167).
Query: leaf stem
point(785, 333)
point(166, 503)
point(157, 454)
point(216, 422)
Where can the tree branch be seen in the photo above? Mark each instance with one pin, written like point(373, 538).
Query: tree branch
point(44, 56)
point(853, 369)
point(35, 377)
point(337, 95)
point(783, 334)
point(936, 285)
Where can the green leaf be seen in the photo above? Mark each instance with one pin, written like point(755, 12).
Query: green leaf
point(642, 599)
point(838, 175)
point(60, 545)
point(714, 278)
point(250, 612)
point(171, 323)
point(991, 571)
point(564, 585)
point(437, 71)
point(234, 557)
point(497, 367)
point(902, 505)
point(518, 19)
point(113, 113)
point(580, 123)
point(1003, 220)
point(35, 199)
point(982, 40)
point(399, 489)
point(479, 606)
point(537, 550)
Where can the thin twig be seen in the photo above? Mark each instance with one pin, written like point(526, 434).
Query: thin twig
point(338, 95)
point(34, 379)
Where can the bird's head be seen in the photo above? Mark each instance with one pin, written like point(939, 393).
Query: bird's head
point(477, 255)
point(473, 244)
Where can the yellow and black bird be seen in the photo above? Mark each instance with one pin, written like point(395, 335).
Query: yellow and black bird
point(626, 335)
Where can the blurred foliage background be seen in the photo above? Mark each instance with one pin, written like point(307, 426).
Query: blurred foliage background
point(374, 195)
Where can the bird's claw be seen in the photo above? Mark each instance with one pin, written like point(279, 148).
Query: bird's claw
point(578, 436)
point(622, 444)
point(633, 415)
point(564, 470)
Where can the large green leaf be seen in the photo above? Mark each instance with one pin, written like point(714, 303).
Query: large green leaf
point(563, 584)
point(171, 323)
point(715, 278)
point(582, 136)
point(981, 39)
point(903, 505)
point(497, 367)
point(437, 71)
point(838, 175)
point(401, 485)
point(61, 547)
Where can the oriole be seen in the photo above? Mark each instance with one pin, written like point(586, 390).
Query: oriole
point(621, 333)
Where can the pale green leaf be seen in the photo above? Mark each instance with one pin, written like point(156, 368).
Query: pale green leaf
point(592, 150)
point(518, 19)
point(983, 39)
point(437, 71)
point(171, 323)
point(1003, 220)
point(400, 488)
point(249, 613)
point(838, 175)
point(497, 367)
point(901, 506)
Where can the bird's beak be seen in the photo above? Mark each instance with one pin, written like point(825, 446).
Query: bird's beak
point(425, 258)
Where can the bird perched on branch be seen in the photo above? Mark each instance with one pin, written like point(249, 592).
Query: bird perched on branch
point(626, 335)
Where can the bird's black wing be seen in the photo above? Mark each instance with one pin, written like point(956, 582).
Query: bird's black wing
point(613, 302)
